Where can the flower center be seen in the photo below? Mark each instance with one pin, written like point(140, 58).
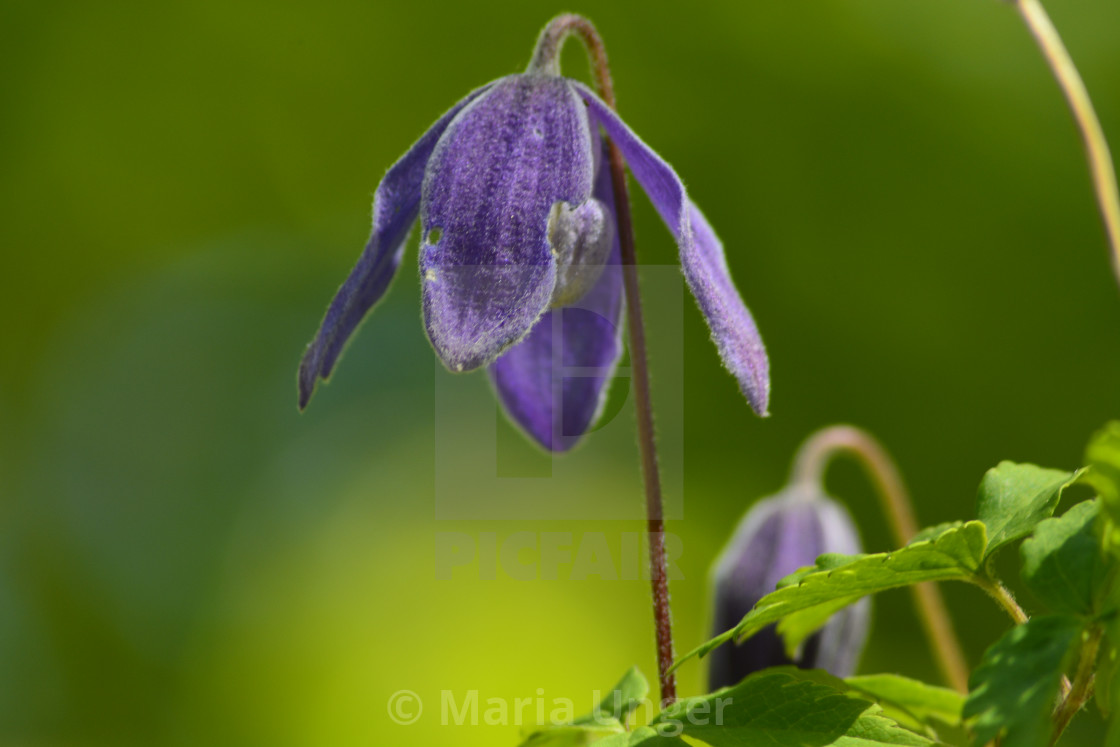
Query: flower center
point(580, 239)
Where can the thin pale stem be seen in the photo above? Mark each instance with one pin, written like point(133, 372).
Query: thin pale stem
point(1082, 688)
point(810, 464)
point(1096, 146)
point(546, 59)
point(1003, 597)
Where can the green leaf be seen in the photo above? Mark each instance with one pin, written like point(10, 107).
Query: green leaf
point(777, 709)
point(935, 531)
point(913, 704)
point(805, 600)
point(571, 735)
point(1103, 474)
point(1013, 689)
point(644, 736)
point(1106, 688)
point(908, 701)
point(630, 692)
point(607, 718)
point(1063, 564)
point(1013, 498)
point(1103, 457)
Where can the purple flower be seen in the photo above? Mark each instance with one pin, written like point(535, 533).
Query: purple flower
point(519, 260)
point(776, 537)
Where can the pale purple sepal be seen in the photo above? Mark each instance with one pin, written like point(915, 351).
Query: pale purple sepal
point(395, 206)
point(702, 258)
point(776, 537)
point(554, 382)
point(486, 267)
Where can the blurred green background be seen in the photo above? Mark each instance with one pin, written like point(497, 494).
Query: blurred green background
point(184, 559)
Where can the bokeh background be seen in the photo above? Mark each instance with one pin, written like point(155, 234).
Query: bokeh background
point(184, 559)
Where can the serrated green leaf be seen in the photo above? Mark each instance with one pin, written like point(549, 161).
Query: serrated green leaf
point(777, 709)
point(1013, 689)
point(910, 698)
point(796, 627)
point(1063, 564)
point(935, 531)
point(936, 711)
point(1013, 498)
point(1103, 459)
point(805, 599)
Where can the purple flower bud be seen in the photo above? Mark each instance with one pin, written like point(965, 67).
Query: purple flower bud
point(776, 537)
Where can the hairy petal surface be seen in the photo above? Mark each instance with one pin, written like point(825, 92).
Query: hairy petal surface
point(395, 206)
point(486, 265)
point(702, 258)
point(553, 384)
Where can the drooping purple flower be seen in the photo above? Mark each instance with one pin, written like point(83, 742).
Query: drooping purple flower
point(776, 537)
point(519, 259)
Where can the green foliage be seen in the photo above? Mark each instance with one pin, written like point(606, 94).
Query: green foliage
point(1013, 498)
point(805, 599)
point(607, 718)
point(911, 702)
point(1013, 689)
point(777, 708)
point(630, 692)
point(574, 735)
point(1063, 563)
point(1013, 692)
point(1108, 671)
point(935, 531)
point(1103, 459)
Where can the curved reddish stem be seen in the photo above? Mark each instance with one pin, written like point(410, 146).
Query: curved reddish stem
point(546, 59)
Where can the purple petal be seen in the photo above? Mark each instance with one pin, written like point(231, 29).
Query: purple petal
point(487, 269)
point(702, 259)
point(395, 205)
point(583, 341)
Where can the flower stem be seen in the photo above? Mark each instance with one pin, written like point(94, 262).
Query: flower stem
point(546, 59)
point(1082, 688)
point(809, 466)
point(1073, 88)
point(1004, 599)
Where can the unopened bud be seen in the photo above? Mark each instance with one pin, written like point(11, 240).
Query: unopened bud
point(776, 537)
